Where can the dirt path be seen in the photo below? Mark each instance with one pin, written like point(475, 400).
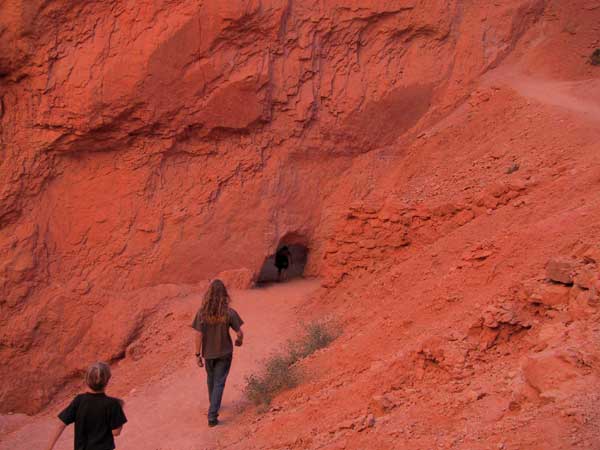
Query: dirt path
point(582, 96)
point(170, 414)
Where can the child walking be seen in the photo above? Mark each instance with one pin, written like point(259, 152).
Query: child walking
point(97, 417)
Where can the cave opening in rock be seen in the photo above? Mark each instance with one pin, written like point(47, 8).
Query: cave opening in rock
point(299, 256)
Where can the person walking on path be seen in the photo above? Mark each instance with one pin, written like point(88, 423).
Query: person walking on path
point(214, 348)
point(283, 259)
point(97, 417)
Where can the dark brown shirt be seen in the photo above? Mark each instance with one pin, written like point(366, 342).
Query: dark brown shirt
point(216, 341)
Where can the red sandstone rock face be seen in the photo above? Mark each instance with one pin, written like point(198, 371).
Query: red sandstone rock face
point(433, 193)
point(165, 142)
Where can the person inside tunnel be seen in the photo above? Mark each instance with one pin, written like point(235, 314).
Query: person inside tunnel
point(287, 263)
point(283, 259)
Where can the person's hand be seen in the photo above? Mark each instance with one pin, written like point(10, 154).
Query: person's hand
point(199, 361)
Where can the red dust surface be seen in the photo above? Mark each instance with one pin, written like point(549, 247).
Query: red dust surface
point(164, 390)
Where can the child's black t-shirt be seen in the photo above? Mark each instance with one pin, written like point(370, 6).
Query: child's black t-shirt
point(95, 416)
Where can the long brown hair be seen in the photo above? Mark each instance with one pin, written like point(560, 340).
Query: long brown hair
point(215, 304)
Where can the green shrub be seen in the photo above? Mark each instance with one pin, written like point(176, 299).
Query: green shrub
point(279, 371)
point(278, 375)
point(317, 335)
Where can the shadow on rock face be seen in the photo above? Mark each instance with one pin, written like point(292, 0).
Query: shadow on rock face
point(380, 123)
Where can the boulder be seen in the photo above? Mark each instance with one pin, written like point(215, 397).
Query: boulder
point(382, 404)
point(547, 371)
point(498, 323)
point(237, 279)
point(550, 295)
point(585, 278)
point(463, 217)
point(583, 303)
point(592, 254)
point(561, 270)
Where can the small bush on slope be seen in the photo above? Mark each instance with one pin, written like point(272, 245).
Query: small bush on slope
point(279, 372)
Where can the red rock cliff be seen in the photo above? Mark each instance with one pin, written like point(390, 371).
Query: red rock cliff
point(147, 143)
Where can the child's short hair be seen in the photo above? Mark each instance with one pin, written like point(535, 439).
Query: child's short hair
point(97, 376)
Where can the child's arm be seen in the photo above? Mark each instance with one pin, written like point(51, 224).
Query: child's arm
point(59, 429)
point(117, 417)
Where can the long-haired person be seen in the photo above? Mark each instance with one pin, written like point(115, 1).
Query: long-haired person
point(213, 342)
point(97, 417)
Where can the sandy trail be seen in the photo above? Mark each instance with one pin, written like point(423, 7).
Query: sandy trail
point(170, 414)
point(581, 96)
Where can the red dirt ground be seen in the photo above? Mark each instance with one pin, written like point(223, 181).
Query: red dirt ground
point(440, 161)
point(167, 407)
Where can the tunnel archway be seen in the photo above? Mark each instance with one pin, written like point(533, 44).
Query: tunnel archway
point(299, 252)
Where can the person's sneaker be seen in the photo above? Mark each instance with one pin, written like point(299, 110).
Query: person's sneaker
point(213, 422)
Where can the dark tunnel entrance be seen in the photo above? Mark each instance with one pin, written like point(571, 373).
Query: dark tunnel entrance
point(268, 272)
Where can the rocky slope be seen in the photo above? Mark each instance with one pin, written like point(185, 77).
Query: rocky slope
point(433, 156)
point(478, 327)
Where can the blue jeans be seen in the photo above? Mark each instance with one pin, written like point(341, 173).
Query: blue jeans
point(216, 371)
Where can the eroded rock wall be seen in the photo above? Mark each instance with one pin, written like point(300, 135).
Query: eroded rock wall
point(146, 143)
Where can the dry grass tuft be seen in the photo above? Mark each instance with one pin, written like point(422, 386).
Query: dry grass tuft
point(279, 372)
